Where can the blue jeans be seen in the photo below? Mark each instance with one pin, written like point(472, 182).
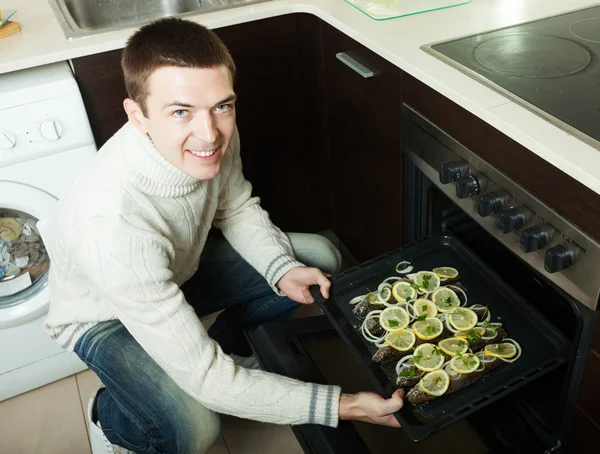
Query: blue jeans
point(142, 408)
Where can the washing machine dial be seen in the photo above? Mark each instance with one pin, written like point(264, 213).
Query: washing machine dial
point(7, 140)
point(52, 129)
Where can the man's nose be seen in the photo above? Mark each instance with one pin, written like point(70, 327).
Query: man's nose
point(205, 128)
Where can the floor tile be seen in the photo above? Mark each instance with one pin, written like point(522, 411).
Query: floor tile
point(46, 420)
point(87, 382)
point(250, 437)
point(220, 447)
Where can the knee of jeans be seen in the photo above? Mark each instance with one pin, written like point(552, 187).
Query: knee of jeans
point(316, 250)
point(198, 430)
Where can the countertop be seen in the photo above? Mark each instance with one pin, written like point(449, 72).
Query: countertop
point(42, 41)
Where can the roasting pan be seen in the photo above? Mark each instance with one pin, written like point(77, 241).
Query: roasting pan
point(544, 346)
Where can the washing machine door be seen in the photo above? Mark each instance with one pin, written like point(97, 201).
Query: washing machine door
point(24, 262)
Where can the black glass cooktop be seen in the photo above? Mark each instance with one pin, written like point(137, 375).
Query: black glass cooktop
point(550, 66)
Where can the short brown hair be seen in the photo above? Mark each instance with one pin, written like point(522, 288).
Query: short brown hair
point(170, 42)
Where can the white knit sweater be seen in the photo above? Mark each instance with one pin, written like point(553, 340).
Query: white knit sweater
point(127, 235)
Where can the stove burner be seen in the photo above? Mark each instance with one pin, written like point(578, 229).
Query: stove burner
point(533, 56)
point(587, 29)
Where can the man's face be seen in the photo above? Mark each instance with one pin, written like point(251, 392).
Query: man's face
point(190, 117)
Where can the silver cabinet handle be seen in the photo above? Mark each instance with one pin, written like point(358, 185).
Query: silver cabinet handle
point(354, 64)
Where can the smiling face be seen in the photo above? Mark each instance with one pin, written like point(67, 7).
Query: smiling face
point(190, 117)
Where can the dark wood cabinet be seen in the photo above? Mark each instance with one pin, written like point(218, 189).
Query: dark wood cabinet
point(364, 116)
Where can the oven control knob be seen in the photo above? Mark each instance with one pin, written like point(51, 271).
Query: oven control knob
point(491, 203)
point(559, 258)
point(52, 129)
point(467, 187)
point(534, 238)
point(513, 219)
point(452, 171)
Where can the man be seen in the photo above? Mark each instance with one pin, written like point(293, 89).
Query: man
point(134, 228)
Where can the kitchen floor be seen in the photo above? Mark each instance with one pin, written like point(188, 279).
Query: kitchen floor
point(52, 420)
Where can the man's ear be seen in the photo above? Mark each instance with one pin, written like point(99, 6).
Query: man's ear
point(135, 114)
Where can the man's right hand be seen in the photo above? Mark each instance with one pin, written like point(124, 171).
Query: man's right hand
point(371, 407)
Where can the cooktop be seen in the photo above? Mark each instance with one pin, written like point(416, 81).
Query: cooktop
point(550, 66)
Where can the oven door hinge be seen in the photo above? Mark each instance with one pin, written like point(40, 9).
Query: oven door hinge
point(554, 448)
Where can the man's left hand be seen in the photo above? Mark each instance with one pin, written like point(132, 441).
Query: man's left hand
point(295, 284)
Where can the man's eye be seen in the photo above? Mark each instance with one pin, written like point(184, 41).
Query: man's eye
point(180, 113)
point(223, 108)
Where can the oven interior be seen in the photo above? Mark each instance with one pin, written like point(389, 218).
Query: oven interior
point(533, 419)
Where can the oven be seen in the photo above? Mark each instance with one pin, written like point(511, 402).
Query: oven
point(459, 209)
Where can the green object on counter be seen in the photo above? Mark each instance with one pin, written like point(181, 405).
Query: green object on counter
point(392, 9)
point(5, 15)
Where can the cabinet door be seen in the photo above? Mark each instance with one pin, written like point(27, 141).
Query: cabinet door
point(364, 115)
point(282, 152)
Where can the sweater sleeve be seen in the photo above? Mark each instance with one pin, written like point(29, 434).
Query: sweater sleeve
point(131, 270)
point(248, 227)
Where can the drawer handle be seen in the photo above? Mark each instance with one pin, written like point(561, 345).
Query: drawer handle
point(354, 64)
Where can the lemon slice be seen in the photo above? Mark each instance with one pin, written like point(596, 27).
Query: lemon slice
point(428, 357)
point(504, 350)
point(445, 299)
point(446, 272)
point(462, 318)
point(435, 383)
point(465, 364)
point(394, 318)
point(427, 281)
point(385, 294)
point(403, 291)
point(472, 335)
point(423, 306)
point(402, 340)
point(428, 329)
point(453, 346)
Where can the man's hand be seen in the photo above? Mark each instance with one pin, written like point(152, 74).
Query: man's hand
point(371, 407)
point(296, 281)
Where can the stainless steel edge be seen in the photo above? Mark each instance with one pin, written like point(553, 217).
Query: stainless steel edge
point(428, 147)
point(73, 31)
point(512, 97)
point(353, 64)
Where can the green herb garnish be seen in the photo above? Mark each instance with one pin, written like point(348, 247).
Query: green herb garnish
point(407, 373)
point(416, 358)
point(393, 323)
point(415, 286)
point(473, 336)
point(469, 361)
point(493, 328)
point(448, 302)
point(420, 318)
point(426, 280)
point(430, 330)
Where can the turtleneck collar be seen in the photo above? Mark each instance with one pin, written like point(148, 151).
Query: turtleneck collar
point(149, 170)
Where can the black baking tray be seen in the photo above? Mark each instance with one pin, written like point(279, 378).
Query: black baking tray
point(544, 347)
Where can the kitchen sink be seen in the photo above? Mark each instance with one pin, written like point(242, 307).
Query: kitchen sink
point(79, 18)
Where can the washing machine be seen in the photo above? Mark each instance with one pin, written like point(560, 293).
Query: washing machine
point(45, 140)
